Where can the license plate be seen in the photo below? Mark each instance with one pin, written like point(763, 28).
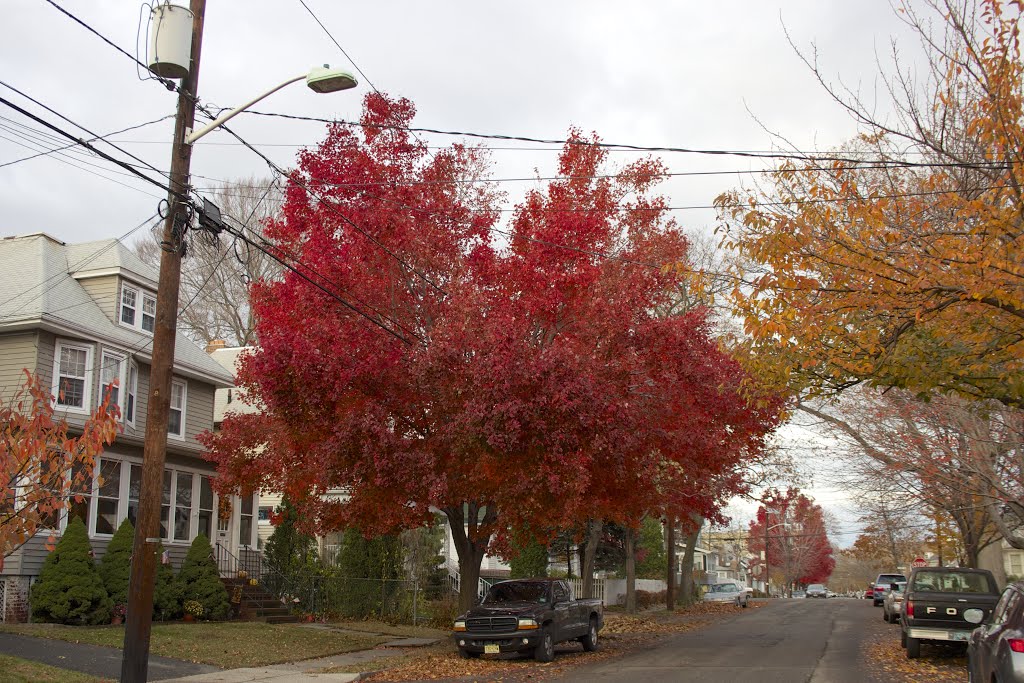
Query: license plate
point(959, 635)
point(491, 649)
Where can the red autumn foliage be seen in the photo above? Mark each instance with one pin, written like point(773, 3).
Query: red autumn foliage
point(42, 468)
point(536, 379)
point(798, 546)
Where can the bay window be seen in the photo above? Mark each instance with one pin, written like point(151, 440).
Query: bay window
point(108, 497)
point(131, 390)
point(182, 506)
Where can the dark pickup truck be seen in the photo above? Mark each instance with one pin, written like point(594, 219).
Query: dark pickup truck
point(935, 601)
point(528, 615)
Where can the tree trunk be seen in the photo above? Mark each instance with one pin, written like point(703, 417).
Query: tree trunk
point(687, 594)
point(670, 540)
point(594, 528)
point(630, 571)
point(469, 547)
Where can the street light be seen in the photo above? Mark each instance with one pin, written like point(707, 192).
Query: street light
point(135, 657)
point(320, 80)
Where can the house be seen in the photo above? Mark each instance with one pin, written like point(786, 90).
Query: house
point(81, 316)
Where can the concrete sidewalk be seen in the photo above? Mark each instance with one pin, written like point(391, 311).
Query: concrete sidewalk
point(95, 660)
point(308, 670)
point(105, 662)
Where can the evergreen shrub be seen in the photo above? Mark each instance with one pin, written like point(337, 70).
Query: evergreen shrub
point(115, 565)
point(199, 580)
point(69, 590)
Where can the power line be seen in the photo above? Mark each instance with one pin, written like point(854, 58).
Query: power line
point(166, 82)
point(73, 145)
point(80, 127)
point(351, 61)
point(645, 148)
point(333, 209)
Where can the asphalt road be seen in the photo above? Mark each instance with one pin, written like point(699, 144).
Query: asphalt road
point(787, 641)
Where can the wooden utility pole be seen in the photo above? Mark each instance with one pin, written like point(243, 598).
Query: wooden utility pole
point(135, 660)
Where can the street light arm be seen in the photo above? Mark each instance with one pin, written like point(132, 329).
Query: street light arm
point(224, 118)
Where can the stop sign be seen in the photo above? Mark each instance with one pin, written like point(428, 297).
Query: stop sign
point(919, 562)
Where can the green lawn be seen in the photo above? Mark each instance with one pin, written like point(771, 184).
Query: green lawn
point(229, 645)
point(16, 670)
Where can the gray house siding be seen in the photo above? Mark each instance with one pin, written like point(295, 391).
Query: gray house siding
point(17, 352)
point(105, 291)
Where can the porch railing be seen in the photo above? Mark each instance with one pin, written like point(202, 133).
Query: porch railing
point(229, 564)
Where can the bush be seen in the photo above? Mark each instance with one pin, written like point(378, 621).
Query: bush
point(115, 565)
point(199, 580)
point(69, 590)
point(166, 592)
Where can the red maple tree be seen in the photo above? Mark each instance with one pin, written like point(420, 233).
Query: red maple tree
point(533, 380)
point(792, 528)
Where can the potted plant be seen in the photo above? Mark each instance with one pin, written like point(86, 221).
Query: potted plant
point(117, 615)
point(193, 610)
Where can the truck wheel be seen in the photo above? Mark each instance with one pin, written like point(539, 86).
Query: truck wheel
point(913, 648)
point(903, 638)
point(466, 654)
point(885, 616)
point(590, 640)
point(545, 650)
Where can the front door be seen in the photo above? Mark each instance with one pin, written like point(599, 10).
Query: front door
point(225, 540)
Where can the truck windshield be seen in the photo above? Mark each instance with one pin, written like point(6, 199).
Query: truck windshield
point(517, 591)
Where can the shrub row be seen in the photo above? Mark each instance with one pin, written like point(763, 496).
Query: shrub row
point(72, 589)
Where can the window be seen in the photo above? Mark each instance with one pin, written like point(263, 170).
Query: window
point(165, 508)
point(265, 512)
point(131, 390)
point(245, 516)
point(148, 313)
point(128, 304)
point(182, 506)
point(176, 417)
point(109, 497)
point(72, 374)
point(205, 507)
point(81, 490)
point(132, 300)
point(134, 490)
point(112, 379)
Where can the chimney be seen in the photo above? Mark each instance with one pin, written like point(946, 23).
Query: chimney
point(215, 345)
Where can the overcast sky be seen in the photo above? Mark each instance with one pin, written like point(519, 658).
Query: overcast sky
point(697, 75)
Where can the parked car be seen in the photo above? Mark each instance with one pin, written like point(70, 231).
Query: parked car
point(936, 601)
point(726, 592)
point(892, 604)
point(528, 615)
point(870, 592)
point(882, 584)
point(816, 590)
point(995, 650)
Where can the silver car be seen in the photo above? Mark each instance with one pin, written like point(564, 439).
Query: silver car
point(726, 592)
point(892, 603)
point(995, 650)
